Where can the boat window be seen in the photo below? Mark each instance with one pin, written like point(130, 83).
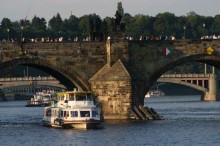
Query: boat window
point(52, 113)
point(66, 113)
point(85, 113)
point(90, 97)
point(74, 114)
point(46, 97)
point(95, 113)
point(61, 114)
point(80, 97)
point(66, 98)
point(62, 98)
point(48, 112)
point(71, 97)
point(57, 113)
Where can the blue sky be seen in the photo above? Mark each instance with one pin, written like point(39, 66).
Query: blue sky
point(19, 9)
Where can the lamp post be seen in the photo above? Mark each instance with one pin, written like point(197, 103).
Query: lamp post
point(8, 33)
point(22, 33)
point(203, 30)
point(204, 38)
point(184, 34)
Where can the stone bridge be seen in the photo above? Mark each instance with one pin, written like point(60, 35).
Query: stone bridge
point(120, 72)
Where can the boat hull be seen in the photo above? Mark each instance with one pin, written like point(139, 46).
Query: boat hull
point(37, 105)
point(83, 125)
point(74, 124)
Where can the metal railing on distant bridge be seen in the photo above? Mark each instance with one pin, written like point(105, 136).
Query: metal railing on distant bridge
point(16, 79)
point(185, 76)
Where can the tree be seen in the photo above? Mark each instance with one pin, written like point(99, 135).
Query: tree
point(216, 25)
point(195, 24)
point(55, 25)
point(118, 17)
point(72, 26)
point(6, 27)
point(91, 27)
point(120, 9)
point(108, 25)
point(140, 25)
point(39, 27)
point(94, 26)
point(165, 24)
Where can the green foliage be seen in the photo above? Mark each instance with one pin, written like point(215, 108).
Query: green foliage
point(5, 28)
point(120, 9)
point(84, 25)
point(56, 24)
point(192, 26)
point(38, 27)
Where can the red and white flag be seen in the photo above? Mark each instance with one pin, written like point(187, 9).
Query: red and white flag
point(166, 51)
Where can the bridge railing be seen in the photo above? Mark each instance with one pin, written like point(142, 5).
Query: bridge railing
point(185, 76)
point(27, 79)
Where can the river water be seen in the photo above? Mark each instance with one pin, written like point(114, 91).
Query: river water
point(188, 121)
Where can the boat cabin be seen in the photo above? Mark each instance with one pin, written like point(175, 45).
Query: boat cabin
point(74, 98)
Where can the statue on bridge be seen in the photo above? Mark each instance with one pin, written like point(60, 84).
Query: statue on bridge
point(118, 23)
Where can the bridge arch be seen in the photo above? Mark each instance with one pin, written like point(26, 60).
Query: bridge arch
point(68, 79)
point(184, 84)
point(208, 59)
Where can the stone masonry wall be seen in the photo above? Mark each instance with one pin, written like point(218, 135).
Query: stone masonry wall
point(115, 98)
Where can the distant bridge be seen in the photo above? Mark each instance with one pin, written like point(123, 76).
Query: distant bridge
point(207, 83)
point(29, 85)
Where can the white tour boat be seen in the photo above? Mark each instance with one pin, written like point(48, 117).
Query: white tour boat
point(154, 93)
point(41, 99)
point(73, 109)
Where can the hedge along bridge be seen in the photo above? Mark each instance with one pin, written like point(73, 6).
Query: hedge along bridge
point(119, 72)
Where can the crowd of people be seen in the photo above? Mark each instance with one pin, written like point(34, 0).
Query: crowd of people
point(129, 38)
point(214, 37)
point(148, 38)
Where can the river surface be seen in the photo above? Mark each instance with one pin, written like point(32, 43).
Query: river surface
point(188, 121)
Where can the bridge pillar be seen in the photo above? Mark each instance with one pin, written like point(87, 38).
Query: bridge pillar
point(113, 87)
point(138, 92)
point(213, 93)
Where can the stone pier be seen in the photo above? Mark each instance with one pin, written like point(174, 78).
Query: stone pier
point(213, 93)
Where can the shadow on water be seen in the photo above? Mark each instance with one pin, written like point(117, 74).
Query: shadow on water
point(171, 101)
